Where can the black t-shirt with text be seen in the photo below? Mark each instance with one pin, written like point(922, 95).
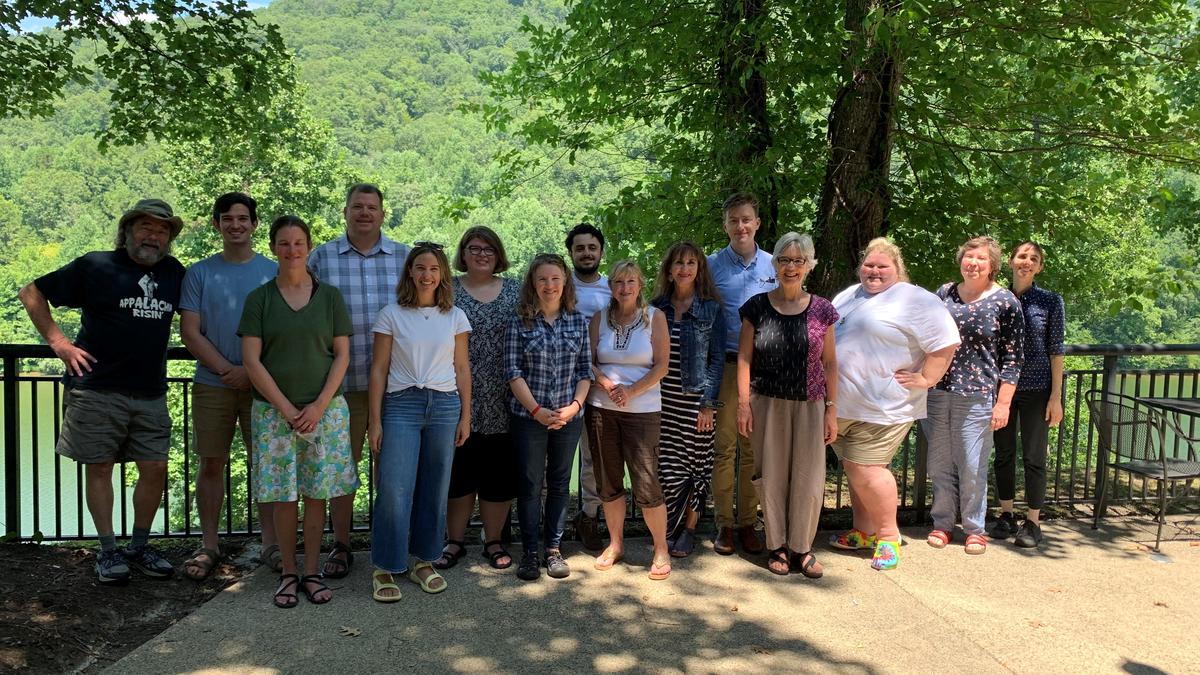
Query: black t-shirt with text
point(126, 312)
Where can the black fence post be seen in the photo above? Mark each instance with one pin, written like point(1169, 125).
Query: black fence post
point(1110, 383)
point(12, 451)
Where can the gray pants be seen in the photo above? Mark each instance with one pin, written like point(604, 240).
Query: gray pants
point(959, 431)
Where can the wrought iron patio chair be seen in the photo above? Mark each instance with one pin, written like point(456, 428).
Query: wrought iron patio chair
point(1133, 436)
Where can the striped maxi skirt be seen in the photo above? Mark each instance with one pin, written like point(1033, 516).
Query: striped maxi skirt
point(685, 459)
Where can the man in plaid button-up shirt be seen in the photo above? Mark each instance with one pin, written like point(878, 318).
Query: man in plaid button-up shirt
point(365, 266)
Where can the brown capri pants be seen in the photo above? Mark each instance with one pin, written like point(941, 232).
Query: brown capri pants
point(619, 439)
point(789, 468)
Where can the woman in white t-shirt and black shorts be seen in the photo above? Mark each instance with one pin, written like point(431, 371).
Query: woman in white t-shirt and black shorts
point(420, 401)
point(894, 342)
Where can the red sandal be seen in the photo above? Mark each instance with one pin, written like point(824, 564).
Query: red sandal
point(938, 539)
point(976, 544)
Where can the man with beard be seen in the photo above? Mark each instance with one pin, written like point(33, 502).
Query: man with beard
point(365, 265)
point(585, 243)
point(115, 405)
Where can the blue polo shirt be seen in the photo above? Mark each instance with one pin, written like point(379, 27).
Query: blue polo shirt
point(737, 282)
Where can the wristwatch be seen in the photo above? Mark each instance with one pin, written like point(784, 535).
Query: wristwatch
point(829, 403)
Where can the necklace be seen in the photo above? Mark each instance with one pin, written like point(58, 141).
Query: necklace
point(426, 314)
point(861, 297)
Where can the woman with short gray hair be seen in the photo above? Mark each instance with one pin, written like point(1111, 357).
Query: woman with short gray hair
point(787, 397)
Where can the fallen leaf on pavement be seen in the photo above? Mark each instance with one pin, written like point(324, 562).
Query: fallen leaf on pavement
point(347, 631)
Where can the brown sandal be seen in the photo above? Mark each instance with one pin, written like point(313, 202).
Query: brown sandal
point(203, 561)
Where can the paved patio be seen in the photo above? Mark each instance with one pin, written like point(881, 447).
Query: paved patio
point(1088, 601)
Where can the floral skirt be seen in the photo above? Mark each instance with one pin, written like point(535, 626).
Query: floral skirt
point(288, 465)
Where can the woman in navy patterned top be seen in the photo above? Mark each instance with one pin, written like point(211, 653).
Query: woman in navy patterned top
point(973, 398)
point(787, 397)
point(1037, 405)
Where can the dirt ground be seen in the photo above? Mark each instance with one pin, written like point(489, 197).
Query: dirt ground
point(55, 617)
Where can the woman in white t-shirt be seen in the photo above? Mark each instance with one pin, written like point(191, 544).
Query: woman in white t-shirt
point(894, 342)
point(420, 402)
point(631, 347)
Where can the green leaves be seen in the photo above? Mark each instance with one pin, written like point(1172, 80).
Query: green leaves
point(178, 70)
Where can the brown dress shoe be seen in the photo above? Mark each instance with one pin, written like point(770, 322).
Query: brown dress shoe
point(588, 531)
point(723, 544)
point(749, 540)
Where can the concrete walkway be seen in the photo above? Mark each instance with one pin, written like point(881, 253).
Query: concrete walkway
point(1086, 602)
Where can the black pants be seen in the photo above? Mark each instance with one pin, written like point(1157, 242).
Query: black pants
point(1028, 413)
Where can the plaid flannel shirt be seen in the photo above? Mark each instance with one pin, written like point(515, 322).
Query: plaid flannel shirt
point(368, 284)
point(551, 358)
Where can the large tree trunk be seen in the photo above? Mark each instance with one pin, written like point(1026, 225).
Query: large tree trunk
point(744, 134)
point(855, 196)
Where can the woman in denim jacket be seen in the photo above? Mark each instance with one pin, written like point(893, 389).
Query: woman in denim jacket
point(685, 293)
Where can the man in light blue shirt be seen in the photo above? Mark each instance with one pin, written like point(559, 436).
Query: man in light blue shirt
point(365, 266)
point(214, 293)
point(740, 271)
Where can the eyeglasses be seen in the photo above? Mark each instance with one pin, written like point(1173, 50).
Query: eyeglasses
point(798, 262)
point(485, 251)
point(432, 245)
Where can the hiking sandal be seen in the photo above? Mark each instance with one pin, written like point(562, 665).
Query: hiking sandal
point(340, 567)
point(449, 560)
point(807, 565)
point(495, 556)
point(311, 593)
point(285, 595)
point(201, 563)
point(783, 563)
point(378, 585)
point(427, 584)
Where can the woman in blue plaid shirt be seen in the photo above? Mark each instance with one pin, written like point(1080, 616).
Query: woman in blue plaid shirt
point(547, 360)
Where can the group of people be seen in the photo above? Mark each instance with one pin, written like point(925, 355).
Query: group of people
point(726, 381)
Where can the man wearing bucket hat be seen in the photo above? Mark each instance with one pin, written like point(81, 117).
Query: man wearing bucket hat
point(115, 407)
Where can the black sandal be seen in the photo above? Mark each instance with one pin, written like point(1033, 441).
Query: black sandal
point(340, 567)
point(779, 555)
point(804, 563)
point(449, 560)
point(497, 554)
point(283, 598)
point(313, 579)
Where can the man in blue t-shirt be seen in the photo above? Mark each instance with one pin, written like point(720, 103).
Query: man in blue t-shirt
point(214, 292)
point(115, 405)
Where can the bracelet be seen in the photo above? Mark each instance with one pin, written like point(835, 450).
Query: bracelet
point(576, 402)
point(830, 404)
point(535, 411)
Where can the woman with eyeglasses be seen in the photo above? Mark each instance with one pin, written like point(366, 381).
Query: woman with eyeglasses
point(547, 362)
point(787, 403)
point(486, 465)
point(419, 394)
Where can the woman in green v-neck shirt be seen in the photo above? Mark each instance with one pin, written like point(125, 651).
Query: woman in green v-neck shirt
point(296, 347)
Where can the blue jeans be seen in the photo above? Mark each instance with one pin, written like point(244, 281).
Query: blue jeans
point(413, 478)
point(542, 453)
point(959, 431)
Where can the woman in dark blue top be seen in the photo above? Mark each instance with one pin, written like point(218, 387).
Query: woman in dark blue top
point(1037, 405)
point(687, 296)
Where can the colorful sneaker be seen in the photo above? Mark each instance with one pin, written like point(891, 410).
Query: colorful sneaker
point(147, 561)
point(853, 540)
point(111, 568)
point(887, 555)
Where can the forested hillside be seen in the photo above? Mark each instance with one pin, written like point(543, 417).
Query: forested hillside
point(384, 86)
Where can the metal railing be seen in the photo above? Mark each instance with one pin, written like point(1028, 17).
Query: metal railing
point(43, 495)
